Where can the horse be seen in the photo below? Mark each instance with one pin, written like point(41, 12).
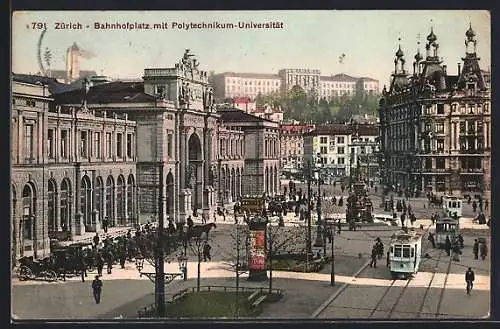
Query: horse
point(197, 230)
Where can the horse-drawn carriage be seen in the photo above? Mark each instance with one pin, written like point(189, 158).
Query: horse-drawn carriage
point(67, 259)
point(31, 269)
point(277, 205)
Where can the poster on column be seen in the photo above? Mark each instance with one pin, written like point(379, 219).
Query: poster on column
point(257, 255)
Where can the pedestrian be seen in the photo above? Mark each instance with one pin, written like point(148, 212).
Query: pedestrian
point(109, 260)
point(447, 245)
point(341, 201)
point(82, 266)
point(486, 204)
point(122, 256)
point(461, 241)
point(431, 239)
point(99, 263)
point(403, 218)
point(483, 250)
point(388, 259)
point(469, 279)
point(339, 227)
point(206, 252)
point(474, 206)
point(475, 249)
point(97, 289)
point(373, 262)
point(96, 240)
point(380, 248)
point(105, 224)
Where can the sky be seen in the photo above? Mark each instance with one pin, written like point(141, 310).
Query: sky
point(311, 39)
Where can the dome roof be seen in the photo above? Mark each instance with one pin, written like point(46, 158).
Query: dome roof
point(470, 32)
point(399, 53)
point(431, 37)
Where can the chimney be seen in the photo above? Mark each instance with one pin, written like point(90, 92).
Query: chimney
point(458, 68)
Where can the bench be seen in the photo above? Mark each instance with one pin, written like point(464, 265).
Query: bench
point(258, 301)
point(252, 296)
point(179, 295)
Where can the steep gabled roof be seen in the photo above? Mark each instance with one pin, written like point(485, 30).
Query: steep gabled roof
point(105, 93)
point(236, 115)
point(53, 85)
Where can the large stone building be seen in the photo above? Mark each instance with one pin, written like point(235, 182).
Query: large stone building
point(435, 127)
point(231, 85)
point(365, 149)
point(292, 146)
point(129, 151)
point(328, 145)
point(70, 167)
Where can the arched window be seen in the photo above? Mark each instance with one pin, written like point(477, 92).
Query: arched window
point(65, 207)
point(85, 201)
point(130, 197)
point(110, 184)
point(99, 195)
point(51, 206)
point(28, 212)
point(120, 200)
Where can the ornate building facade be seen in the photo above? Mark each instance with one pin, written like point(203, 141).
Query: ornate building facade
point(292, 146)
point(70, 167)
point(435, 128)
point(129, 151)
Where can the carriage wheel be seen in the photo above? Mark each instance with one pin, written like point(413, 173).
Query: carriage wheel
point(25, 273)
point(49, 275)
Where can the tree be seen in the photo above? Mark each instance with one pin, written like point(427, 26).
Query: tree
point(282, 240)
point(197, 249)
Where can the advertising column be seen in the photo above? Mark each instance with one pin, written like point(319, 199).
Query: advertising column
point(257, 250)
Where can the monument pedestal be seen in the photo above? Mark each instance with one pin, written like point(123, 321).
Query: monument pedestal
point(184, 206)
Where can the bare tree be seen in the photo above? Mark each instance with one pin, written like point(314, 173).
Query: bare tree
point(197, 246)
point(283, 240)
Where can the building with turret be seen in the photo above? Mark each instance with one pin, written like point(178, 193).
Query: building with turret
point(435, 127)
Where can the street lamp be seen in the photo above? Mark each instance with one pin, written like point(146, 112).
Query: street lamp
point(319, 240)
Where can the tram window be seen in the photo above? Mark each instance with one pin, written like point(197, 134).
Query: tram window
point(397, 251)
point(406, 252)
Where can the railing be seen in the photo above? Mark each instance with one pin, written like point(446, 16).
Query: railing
point(149, 309)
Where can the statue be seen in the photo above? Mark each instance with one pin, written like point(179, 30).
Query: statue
point(86, 89)
point(186, 59)
point(195, 64)
point(191, 182)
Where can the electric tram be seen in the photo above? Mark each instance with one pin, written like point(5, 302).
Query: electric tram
point(405, 253)
point(446, 227)
point(452, 205)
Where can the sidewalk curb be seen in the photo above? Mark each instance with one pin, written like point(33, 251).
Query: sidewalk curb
point(337, 293)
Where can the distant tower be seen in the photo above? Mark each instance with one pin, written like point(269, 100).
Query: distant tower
point(72, 63)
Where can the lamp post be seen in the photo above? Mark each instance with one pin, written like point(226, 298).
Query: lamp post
point(308, 244)
point(319, 240)
point(332, 272)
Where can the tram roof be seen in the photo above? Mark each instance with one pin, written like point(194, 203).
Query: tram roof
point(405, 237)
point(447, 220)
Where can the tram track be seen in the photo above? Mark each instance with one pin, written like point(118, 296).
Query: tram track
point(386, 292)
point(422, 304)
point(443, 289)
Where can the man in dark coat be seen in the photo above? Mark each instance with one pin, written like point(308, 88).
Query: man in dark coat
point(97, 289)
point(469, 279)
point(373, 262)
point(82, 266)
point(96, 240)
point(109, 260)
point(122, 255)
point(483, 250)
point(431, 239)
point(99, 263)
point(206, 252)
point(447, 245)
point(105, 223)
point(475, 249)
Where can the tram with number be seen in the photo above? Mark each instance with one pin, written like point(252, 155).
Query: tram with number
point(446, 227)
point(404, 253)
point(452, 205)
